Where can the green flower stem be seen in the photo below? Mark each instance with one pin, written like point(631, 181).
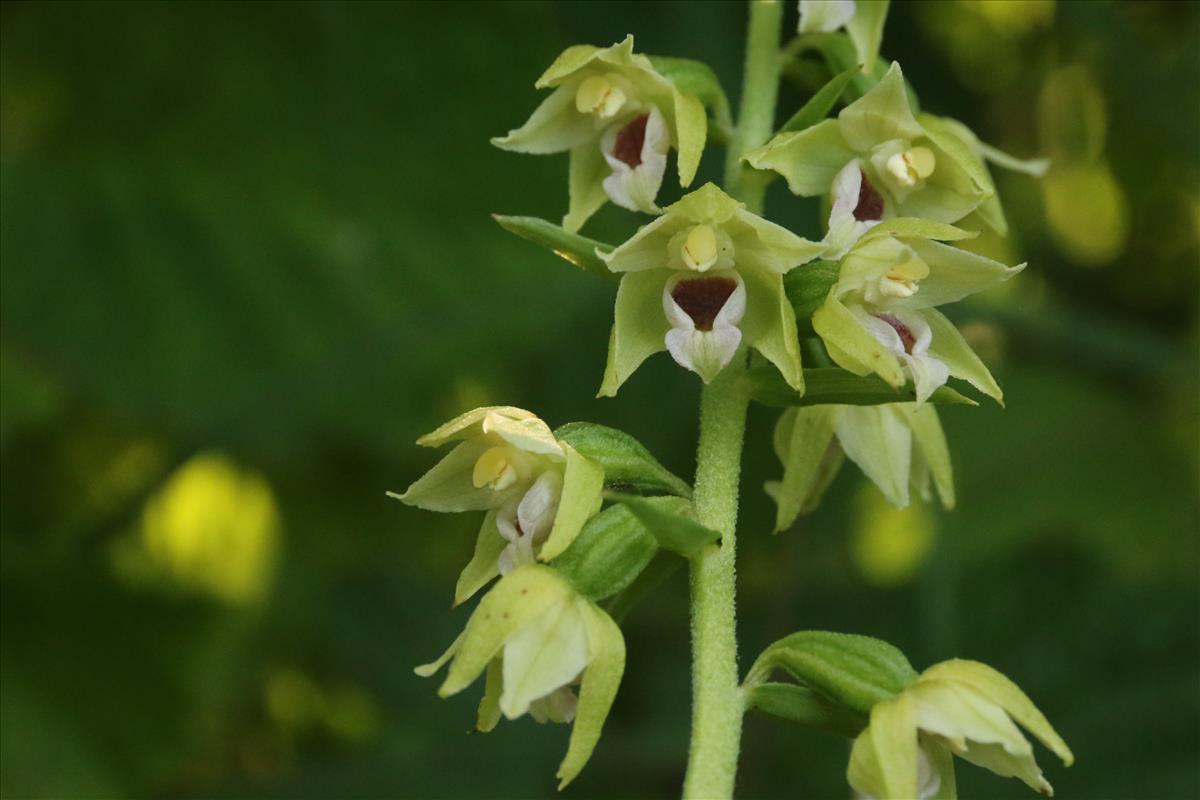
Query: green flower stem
point(717, 702)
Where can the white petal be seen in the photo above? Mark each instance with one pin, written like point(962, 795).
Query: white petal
point(824, 15)
point(539, 505)
point(546, 654)
point(844, 229)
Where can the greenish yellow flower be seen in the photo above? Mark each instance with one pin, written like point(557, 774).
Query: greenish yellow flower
point(538, 491)
point(700, 281)
point(881, 314)
point(876, 161)
point(957, 707)
point(538, 638)
point(618, 117)
point(899, 446)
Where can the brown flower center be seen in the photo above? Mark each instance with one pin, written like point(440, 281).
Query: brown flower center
point(628, 147)
point(906, 336)
point(870, 202)
point(703, 298)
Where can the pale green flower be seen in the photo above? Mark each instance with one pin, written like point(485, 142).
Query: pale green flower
point(862, 19)
point(618, 117)
point(880, 316)
point(701, 281)
point(538, 491)
point(537, 638)
point(957, 707)
point(878, 162)
point(899, 446)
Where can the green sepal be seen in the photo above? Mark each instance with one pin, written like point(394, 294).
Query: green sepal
point(514, 602)
point(803, 706)
point(806, 289)
point(610, 552)
point(802, 438)
point(950, 346)
point(865, 30)
point(489, 705)
point(883, 762)
point(999, 689)
point(627, 464)
point(586, 171)
point(484, 564)
point(833, 386)
point(597, 689)
point(854, 671)
point(665, 518)
point(821, 103)
point(583, 481)
point(639, 326)
point(579, 251)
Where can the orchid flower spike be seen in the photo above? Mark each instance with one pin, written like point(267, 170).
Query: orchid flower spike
point(899, 446)
point(538, 638)
point(538, 491)
point(955, 708)
point(700, 281)
point(880, 316)
point(618, 117)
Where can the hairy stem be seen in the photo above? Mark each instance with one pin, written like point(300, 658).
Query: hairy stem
point(717, 703)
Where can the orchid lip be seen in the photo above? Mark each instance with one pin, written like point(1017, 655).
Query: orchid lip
point(628, 147)
point(703, 298)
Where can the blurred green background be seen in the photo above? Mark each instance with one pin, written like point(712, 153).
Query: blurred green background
point(247, 260)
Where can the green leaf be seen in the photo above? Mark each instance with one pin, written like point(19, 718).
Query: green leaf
point(854, 671)
point(664, 517)
point(806, 288)
point(610, 552)
point(628, 465)
point(802, 705)
point(820, 104)
point(577, 250)
point(829, 385)
point(692, 77)
point(484, 564)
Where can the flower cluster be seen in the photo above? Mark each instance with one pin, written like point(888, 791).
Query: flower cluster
point(725, 291)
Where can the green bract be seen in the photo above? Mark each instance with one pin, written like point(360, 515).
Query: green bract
point(956, 707)
point(618, 117)
point(538, 491)
point(876, 161)
point(880, 317)
point(897, 446)
point(536, 637)
point(700, 281)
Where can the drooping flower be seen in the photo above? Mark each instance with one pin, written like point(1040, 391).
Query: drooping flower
point(899, 446)
point(880, 316)
point(700, 281)
point(862, 19)
point(957, 707)
point(618, 117)
point(537, 638)
point(538, 491)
